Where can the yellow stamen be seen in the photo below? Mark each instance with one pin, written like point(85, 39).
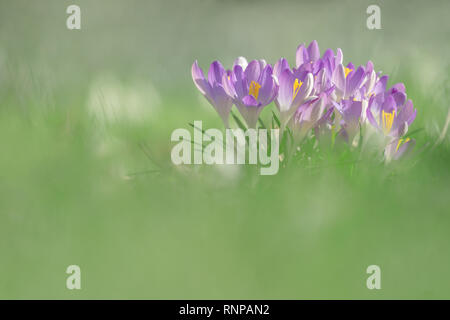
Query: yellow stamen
point(387, 121)
point(400, 142)
point(297, 86)
point(253, 90)
point(347, 71)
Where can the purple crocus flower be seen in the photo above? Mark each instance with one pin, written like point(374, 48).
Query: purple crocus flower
point(389, 113)
point(251, 89)
point(294, 90)
point(309, 56)
point(308, 60)
point(213, 89)
point(373, 85)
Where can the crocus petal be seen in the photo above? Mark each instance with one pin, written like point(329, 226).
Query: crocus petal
point(355, 81)
point(402, 129)
point(398, 148)
point(300, 55)
point(380, 86)
point(307, 117)
point(339, 78)
point(399, 98)
point(253, 71)
point(318, 108)
point(262, 64)
point(279, 67)
point(267, 82)
point(369, 67)
point(370, 115)
point(285, 92)
point(352, 111)
point(199, 79)
point(326, 117)
point(351, 114)
point(329, 61)
point(339, 56)
point(239, 82)
point(405, 149)
point(228, 86)
point(313, 51)
point(215, 73)
point(321, 81)
point(407, 113)
point(388, 104)
point(250, 110)
point(222, 103)
point(240, 61)
point(250, 101)
point(305, 90)
point(371, 81)
point(398, 87)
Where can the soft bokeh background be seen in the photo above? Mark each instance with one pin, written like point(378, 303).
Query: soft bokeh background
point(86, 177)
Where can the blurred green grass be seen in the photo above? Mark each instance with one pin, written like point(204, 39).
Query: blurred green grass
point(78, 189)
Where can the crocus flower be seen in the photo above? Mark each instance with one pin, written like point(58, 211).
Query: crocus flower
point(308, 56)
point(292, 93)
point(251, 88)
point(390, 114)
point(212, 88)
point(308, 60)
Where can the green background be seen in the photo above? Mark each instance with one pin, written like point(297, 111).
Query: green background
point(86, 176)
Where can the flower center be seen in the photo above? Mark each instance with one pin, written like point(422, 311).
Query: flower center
point(400, 142)
point(347, 71)
point(297, 86)
point(253, 90)
point(387, 119)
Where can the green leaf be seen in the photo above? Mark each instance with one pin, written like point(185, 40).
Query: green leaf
point(204, 132)
point(238, 121)
point(262, 123)
point(276, 119)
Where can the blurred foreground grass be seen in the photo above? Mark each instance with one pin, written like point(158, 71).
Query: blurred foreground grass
point(85, 185)
point(75, 193)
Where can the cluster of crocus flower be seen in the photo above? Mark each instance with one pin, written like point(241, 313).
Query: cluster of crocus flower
point(319, 95)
